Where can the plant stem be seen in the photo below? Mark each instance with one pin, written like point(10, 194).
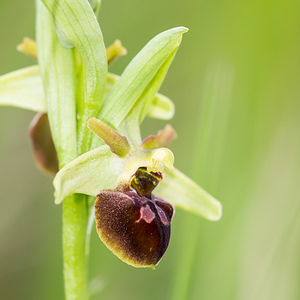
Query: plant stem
point(75, 217)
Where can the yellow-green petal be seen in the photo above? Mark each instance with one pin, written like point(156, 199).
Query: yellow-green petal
point(184, 193)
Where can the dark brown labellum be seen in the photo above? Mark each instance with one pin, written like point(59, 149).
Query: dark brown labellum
point(134, 227)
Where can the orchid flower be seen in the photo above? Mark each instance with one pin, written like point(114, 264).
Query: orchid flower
point(87, 134)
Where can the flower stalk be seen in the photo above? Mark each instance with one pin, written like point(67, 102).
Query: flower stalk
point(75, 221)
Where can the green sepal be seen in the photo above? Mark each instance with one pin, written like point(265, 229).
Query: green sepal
point(23, 88)
point(88, 174)
point(184, 193)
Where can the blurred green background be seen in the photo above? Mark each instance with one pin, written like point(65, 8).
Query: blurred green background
point(236, 85)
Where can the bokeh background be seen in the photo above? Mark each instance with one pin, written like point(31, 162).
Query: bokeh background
point(236, 85)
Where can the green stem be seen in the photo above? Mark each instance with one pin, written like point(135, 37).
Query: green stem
point(75, 220)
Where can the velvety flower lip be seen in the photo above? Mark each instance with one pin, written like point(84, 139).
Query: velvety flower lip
point(135, 228)
point(133, 223)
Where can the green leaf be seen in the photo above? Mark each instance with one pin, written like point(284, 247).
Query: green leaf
point(138, 74)
point(78, 21)
point(58, 73)
point(88, 174)
point(184, 193)
point(23, 89)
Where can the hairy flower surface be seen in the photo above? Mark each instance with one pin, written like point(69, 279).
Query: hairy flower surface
point(134, 224)
point(134, 227)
